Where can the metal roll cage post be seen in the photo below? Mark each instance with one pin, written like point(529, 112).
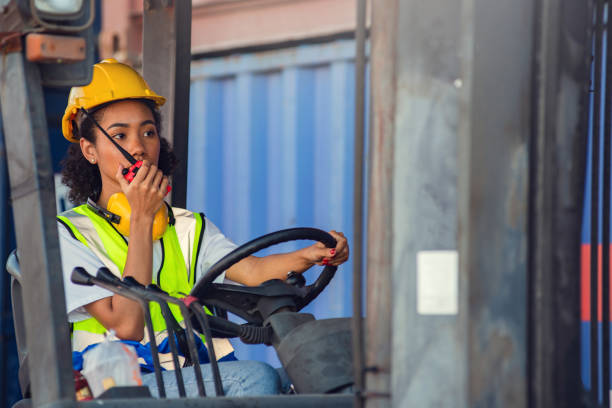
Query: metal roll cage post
point(357, 321)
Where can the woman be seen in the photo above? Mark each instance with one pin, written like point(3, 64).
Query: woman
point(114, 118)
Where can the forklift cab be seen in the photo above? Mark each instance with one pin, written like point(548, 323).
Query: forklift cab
point(315, 353)
point(305, 346)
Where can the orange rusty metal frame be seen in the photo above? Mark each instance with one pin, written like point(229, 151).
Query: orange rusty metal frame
point(10, 42)
point(54, 48)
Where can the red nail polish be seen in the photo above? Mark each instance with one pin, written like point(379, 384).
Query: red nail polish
point(325, 261)
point(332, 252)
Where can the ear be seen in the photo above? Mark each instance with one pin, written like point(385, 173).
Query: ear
point(88, 149)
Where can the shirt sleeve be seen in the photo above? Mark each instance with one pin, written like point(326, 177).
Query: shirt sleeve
point(214, 246)
point(74, 253)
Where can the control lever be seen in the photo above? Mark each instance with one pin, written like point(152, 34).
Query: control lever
point(106, 275)
point(136, 289)
point(172, 330)
point(80, 276)
point(200, 314)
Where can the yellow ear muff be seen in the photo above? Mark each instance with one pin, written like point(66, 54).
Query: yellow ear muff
point(118, 204)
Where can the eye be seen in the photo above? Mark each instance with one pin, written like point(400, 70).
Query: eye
point(118, 136)
point(150, 133)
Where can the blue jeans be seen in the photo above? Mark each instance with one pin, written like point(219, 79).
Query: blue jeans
point(239, 378)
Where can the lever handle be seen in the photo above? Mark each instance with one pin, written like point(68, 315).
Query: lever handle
point(133, 283)
point(81, 277)
point(154, 288)
point(107, 276)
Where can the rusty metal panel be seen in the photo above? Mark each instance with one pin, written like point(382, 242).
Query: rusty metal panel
point(494, 220)
point(379, 260)
point(429, 351)
point(461, 177)
point(480, 107)
point(563, 45)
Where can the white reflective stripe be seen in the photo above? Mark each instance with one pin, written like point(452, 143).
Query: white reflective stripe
point(222, 347)
point(165, 360)
point(81, 339)
point(185, 226)
point(84, 225)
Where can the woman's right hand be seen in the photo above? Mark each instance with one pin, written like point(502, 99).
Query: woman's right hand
point(145, 193)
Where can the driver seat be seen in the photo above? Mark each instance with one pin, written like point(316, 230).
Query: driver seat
point(12, 267)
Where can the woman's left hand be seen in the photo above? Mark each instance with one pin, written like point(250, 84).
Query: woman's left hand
point(252, 271)
point(321, 255)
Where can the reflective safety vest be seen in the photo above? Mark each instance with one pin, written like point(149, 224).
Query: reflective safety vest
point(180, 246)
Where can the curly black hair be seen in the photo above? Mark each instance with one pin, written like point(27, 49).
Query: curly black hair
point(83, 178)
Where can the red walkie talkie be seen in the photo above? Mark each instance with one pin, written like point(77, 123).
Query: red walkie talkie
point(131, 171)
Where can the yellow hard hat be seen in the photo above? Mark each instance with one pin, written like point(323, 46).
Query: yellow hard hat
point(111, 81)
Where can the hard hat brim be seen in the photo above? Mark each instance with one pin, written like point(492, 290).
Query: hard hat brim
point(70, 115)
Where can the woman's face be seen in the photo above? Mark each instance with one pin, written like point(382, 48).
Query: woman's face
point(131, 124)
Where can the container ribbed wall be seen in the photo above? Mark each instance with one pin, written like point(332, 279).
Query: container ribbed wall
point(271, 147)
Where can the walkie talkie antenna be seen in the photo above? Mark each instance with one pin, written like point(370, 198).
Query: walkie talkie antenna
point(125, 154)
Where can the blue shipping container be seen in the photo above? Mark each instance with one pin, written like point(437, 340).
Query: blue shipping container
point(271, 144)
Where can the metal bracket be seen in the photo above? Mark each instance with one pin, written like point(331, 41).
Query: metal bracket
point(10, 42)
point(365, 394)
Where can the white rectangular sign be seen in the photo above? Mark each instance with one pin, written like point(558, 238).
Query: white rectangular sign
point(437, 282)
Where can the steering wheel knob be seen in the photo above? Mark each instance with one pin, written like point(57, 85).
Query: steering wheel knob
point(296, 279)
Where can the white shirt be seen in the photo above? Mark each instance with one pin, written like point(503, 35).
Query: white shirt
point(74, 253)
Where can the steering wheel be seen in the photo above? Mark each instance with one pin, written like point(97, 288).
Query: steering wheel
point(250, 302)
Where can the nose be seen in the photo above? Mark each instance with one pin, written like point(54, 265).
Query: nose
point(136, 148)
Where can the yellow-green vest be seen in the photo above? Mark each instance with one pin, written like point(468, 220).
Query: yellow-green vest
point(180, 246)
